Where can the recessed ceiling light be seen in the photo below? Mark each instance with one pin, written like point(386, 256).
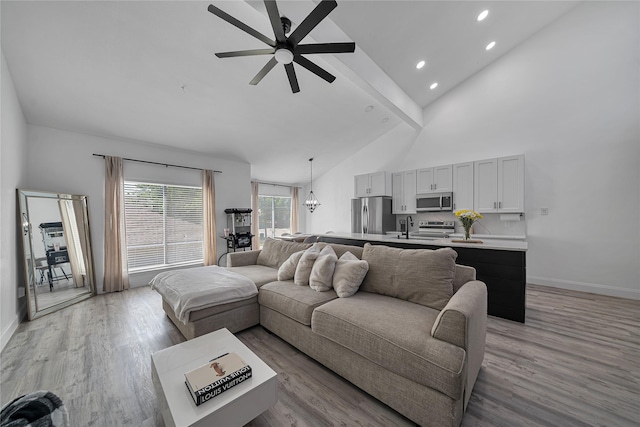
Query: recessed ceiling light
point(369, 108)
point(490, 46)
point(483, 15)
point(433, 86)
point(420, 64)
point(385, 120)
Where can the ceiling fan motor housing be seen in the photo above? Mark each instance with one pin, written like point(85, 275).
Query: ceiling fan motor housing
point(286, 24)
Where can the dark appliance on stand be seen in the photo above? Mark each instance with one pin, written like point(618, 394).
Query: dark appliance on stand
point(55, 247)
point(372, 215)
point(238, 231)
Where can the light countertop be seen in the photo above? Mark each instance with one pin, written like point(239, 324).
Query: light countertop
point(493, 243)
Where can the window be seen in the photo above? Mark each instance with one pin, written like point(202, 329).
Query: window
point(163, 224)
point(274, 216)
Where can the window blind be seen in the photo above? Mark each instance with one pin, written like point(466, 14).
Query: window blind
point(163, 224)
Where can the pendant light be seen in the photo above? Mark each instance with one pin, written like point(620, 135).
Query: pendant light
point(311, 202)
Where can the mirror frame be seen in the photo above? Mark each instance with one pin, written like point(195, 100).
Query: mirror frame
point(25, 231)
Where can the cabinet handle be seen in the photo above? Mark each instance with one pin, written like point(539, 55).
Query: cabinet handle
point(499, 205)
point(454, 206)
point(494, 205)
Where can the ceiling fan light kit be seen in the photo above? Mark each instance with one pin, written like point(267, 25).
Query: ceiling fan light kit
point(284, 56)
point(286, 49)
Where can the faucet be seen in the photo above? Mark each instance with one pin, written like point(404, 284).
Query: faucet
point(409, 223)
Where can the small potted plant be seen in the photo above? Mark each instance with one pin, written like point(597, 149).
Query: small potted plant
point(467, 217)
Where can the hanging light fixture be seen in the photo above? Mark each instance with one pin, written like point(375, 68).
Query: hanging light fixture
point(311, 202)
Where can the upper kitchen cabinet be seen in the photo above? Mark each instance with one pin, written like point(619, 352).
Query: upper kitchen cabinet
point(404, 192)
point(372, 184)
point(499, 185)
point(434, 180)
point(463, 186)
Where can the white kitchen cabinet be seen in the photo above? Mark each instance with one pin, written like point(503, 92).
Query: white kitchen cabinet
point(437, 179)
point(404, 192)
point(499, 185)
point(511, 184)
point(372, 184)
point(463, 186)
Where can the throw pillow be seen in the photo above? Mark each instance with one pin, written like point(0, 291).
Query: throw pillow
point(423, 276)
point(348, 275)
point(303, 270)
point(274, 252)
point(322, 271)
point(288, 268)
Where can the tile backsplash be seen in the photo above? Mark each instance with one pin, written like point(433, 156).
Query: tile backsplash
point(489, 224)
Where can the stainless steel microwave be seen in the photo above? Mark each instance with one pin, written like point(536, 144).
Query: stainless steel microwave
point(434, 202)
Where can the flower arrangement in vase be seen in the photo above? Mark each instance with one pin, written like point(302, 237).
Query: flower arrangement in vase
point(467, 217)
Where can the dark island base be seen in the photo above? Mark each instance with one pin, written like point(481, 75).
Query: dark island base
point(504, 273)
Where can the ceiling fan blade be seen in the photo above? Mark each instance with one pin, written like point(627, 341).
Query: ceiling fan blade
point(263, 72)
point(318, 14)
point(244, 27)
point(274, 17)
point(320, 72)
point(245, 53)
point(293, 80)
point(325, 48)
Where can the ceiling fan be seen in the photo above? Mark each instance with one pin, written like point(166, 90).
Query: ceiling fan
point(286, 49)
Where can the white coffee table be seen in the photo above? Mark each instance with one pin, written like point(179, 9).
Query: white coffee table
point(235, 407)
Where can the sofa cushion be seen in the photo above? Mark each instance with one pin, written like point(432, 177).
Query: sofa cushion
point(423, 276)
point(394, 334)
point(342, 249)
point(259, 274)
point(348, 275)
point(296, 302)
point(288, 268)
point(303, 269)
point(321, 277)
point(275, 252)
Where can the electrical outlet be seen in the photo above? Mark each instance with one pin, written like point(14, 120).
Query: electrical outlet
point(544, 211)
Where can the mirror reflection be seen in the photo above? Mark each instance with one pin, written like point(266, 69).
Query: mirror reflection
point(57, 250)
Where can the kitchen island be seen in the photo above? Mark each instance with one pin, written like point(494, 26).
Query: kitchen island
point(500, 264)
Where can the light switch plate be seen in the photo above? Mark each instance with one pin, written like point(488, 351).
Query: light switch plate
point(544, 211)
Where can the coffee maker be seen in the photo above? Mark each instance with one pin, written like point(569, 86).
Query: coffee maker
point(239, 228)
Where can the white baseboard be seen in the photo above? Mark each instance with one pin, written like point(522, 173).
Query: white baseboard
point(585, 287)
point(11, 329)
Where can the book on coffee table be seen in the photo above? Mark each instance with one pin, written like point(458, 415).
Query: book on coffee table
point(217, 376)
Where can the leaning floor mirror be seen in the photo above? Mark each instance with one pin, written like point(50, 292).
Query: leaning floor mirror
point(56, 241)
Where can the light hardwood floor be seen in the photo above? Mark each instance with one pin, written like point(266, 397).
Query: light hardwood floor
point(575, 362)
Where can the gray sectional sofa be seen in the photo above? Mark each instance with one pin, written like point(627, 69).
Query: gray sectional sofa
point(413, 335)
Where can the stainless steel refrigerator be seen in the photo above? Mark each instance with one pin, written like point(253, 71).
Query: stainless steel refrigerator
point(372, 215)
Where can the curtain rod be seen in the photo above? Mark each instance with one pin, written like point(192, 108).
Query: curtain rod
point(275, 184)
point(156, 163)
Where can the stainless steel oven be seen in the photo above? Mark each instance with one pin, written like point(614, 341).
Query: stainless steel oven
point(434, 202)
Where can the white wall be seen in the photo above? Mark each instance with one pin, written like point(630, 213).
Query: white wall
point(568, 98)
point(63, 161)
point(13, 161)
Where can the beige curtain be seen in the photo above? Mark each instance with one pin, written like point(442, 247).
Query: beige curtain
point(295, 203)
point(209, 218)
point(74, 248)
point(80, 210)
point(116, 276)
point(255, 189)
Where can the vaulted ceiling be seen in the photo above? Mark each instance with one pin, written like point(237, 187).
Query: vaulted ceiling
point(146, 71)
